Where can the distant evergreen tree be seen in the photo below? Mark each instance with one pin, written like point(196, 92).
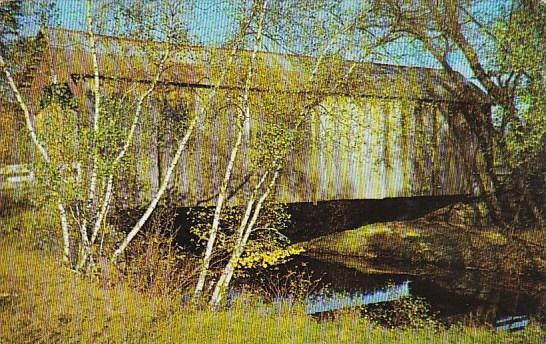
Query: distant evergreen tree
point(10, 14)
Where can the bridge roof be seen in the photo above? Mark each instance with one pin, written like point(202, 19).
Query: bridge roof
point(198, 66)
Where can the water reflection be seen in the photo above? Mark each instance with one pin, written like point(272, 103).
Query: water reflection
point(325, 303)
point(470, 298)
point(512, 323)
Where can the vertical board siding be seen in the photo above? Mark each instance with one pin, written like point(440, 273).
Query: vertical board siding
point(361, 148)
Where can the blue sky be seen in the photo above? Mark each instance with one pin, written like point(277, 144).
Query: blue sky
point(208, 19)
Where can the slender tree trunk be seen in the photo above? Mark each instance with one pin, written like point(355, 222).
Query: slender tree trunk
point(233, 156)
point(229, 270)
point(66, 236)
point(128, 141)
point(217, 212)
point(91, 202)
point(160, 192)
point(166, 180)
point(244, 229)
point(239, 239)
point(43, 152)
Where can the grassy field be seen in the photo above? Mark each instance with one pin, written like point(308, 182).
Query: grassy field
point(42, 301)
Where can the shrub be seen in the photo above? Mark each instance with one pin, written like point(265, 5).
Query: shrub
point(406, 312)
point(155, 263)
point(295, 284)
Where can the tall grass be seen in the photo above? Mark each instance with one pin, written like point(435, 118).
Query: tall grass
point(43, 301)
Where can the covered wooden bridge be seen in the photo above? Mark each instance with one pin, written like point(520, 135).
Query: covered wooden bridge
point(388, 132)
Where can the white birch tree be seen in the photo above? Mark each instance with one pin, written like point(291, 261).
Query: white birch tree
point(102, 170)
point(273, 149)
point(243, 122)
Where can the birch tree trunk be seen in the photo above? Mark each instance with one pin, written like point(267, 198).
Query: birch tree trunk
point(181, 147)
point(242, 239)
point(240, 234)
point(245, 229)
point(101, 213)
point(233, 156)
point(91, 203)
point(43, 152)
point(159, 194)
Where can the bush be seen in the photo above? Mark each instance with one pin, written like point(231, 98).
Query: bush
point(297, 284)
point(155, 263)
point(406, 312)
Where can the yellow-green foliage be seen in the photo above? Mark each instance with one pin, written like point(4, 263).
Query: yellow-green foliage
point(40, 301)
point(268, 258)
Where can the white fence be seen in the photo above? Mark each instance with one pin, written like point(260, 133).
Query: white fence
point(15, 176)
